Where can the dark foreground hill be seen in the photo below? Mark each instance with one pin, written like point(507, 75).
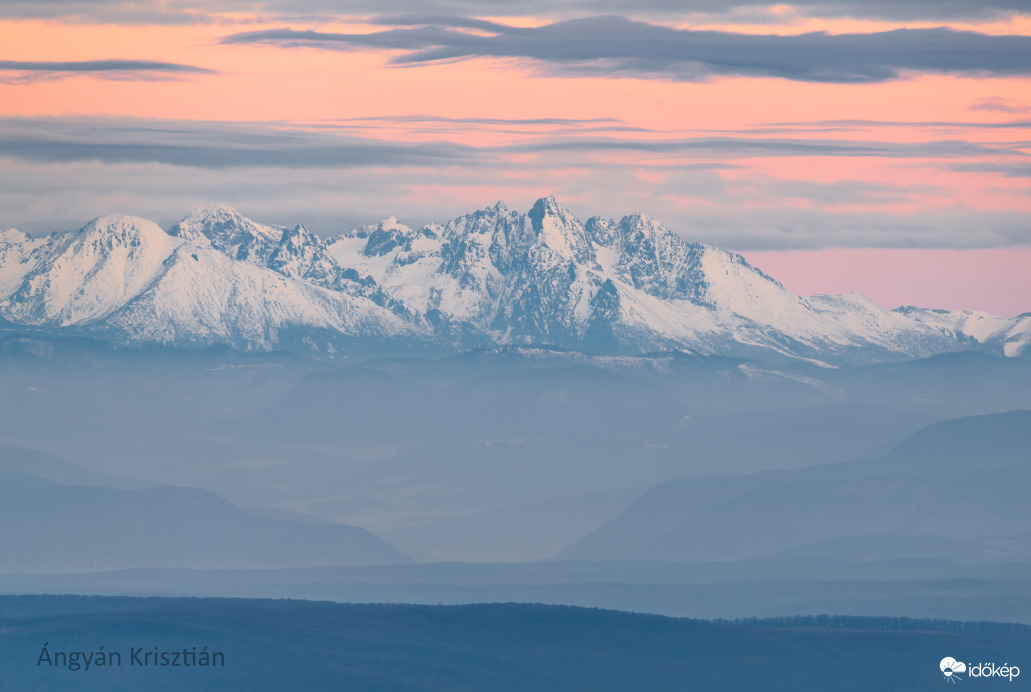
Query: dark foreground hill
point(305, 645)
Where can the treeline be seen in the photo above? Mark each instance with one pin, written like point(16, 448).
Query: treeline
point(875, 623)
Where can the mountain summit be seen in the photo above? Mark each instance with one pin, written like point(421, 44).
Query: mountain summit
point(488, 278)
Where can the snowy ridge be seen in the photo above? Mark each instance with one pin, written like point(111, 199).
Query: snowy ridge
point(617, 286)
point(224, 229)
point(89, 274)
point(19, 255)
point(243, 305)
point(494, 277)
point(200, 284)
point(1014, 333)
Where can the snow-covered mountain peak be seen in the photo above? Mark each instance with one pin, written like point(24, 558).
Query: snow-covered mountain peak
point(387, 236)
point(122, 226)
point(92, 272)
point(296, 239)
point(229, 232)
point(639, 220)
point(392, 224)
point(119, 237)
point(12, 236)
point(208, 217)
point(302, 254)
point(559, 230)
point(491, 277)
point(547, 204)
point(212, 209)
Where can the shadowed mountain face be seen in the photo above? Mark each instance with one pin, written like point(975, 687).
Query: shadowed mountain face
point(48, 526)
point(959, 485)
point(492, 277)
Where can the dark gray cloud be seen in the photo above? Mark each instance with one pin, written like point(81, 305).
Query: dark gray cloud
point(443, 126)
point(209, 145)
point(179, 11)
point(28, 70)
point(737, 147)
point(893, 124)
point(453, 21)
point(488, 121)
point(770, 191)
point(116, 11)
point(80, 168)
point(215, 145)
point(616, 46)
point(1008, 170)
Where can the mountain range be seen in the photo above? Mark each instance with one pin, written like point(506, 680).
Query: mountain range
point(491, 278)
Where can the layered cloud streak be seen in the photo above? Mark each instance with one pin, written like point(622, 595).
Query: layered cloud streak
point(616, 46)
point(29, 70)
point(179, 11)
point(710, 187)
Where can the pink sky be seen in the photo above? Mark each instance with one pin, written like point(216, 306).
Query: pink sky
point(940, 216)
point(995, 280)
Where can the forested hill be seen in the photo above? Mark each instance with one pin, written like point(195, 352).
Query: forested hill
point(305, 645)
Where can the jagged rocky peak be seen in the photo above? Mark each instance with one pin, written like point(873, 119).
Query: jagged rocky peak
point(387, 236)
point(648, 256)
point(302, 255)
point(229, 232)
point(297, 245)
point(558, 229)
point(298, 238)
point(602, 232)
point(633, 233)
point(386, 224)
point(645, 227)
point(478, 247)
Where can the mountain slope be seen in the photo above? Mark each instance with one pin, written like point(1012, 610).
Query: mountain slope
point(127, 279)
point(91, 273)
point(544, 277)
point(84, 524)
point(1012, 334)
point(962, 479)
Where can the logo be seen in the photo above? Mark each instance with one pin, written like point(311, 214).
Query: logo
point(950, 668)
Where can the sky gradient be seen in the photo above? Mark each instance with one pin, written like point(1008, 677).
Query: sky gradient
point(879, 147)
